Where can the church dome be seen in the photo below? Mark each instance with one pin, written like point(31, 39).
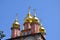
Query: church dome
point(35, 18)
point(16, 22)
point(28, 17)
point(42, 29)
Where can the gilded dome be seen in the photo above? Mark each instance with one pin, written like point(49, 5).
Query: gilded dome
point(16, 23)
point(42, 29)
point(35, 18)
point(28, 17)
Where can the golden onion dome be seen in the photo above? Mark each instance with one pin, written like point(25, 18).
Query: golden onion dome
point(28, 17)
point(16, 23)
point(35, 18)
point(42, 29)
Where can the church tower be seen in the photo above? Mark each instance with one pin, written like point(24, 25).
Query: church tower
point(35, 24)
point(15, 29)
point(28, 20)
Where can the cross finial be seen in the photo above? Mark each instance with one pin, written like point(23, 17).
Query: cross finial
point(29, 9)
point(16, 20)
point(40, 22)
point(16, 15)
point(34, 12)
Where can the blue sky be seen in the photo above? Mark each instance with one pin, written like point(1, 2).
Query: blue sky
point(47, 11)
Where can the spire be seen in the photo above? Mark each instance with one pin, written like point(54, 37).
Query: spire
point(34, 12)
point(40, 22)
point(16, 15)
point(29, 15)
point(29, 10)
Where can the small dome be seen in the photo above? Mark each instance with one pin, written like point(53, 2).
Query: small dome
point(28, 18)
point(42, 29)
point(16, 22)
point(35, 18)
